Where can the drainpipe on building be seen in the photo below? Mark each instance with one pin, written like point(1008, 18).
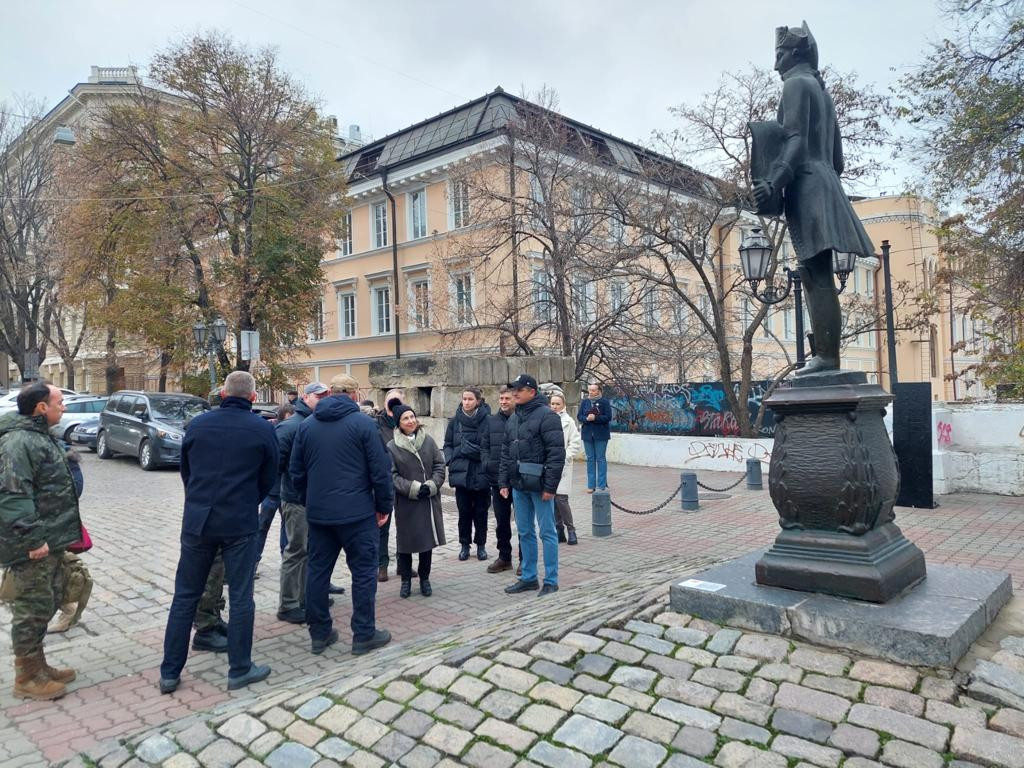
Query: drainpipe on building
point(952, 340)
point(394, 259)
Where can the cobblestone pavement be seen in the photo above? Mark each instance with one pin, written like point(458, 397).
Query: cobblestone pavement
point(134, 518)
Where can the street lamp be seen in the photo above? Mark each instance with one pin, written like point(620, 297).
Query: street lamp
point(755, 260)
point(210, 339)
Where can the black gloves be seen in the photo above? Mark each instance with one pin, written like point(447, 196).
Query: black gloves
point(424, 492)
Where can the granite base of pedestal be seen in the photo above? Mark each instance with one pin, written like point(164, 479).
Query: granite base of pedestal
point(932, 624)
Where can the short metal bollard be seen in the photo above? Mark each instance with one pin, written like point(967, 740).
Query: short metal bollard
point(601, 514)
point(754, 482)
point(689, 491)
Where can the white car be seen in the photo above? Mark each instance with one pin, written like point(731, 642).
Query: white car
point(9, 402)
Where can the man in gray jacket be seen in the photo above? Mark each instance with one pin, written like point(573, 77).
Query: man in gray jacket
point(292, 601)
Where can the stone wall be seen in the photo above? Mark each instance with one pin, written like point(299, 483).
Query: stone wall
point(434, 385)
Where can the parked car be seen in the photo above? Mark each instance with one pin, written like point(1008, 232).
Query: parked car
point(9, 401)
point(84, 433)
point(148, 425)
point(267, 411)
point(76, 409)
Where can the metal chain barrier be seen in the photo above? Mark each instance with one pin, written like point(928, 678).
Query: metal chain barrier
point(647, 511)
point(722, 490)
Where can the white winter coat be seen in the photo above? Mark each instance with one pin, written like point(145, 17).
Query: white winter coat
point(573, 446)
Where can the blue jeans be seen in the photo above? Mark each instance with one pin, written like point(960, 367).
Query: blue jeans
point(532, 512)
point(359, 540)
point(197, 554)
point(597, 465)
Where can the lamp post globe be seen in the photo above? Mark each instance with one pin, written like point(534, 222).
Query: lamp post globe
point(220, 330)
point(199, 332)
point(843, 264)
point(755, 256)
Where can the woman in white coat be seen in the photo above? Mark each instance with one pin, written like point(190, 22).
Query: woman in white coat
point(573, 446)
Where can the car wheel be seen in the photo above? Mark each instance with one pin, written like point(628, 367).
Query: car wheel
point(101, 446)
point(146, 456)
point(67, 433)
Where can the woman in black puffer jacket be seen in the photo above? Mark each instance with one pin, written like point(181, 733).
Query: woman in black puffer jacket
point(467, 473)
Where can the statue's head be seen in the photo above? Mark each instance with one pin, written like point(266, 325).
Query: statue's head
point(794, 45)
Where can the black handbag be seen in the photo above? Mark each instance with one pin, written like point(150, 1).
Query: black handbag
point(531, 476)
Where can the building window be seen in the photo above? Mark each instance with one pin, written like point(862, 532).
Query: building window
point(585, 303)
point(747, 315)
point(616, 229)
point(380, 224)
point(462, 294)
point(316, 331)
point(346, 315)
point(419, 291)
point(417, 214)
point(651, 309)
point(616, 296)
point(789, 323)
point(345, 244)
point(537, 214)
point(382, 309)
point(460, 204)
point(541, 290)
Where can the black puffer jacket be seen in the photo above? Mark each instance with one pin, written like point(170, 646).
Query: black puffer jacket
point(534, 435)
point(493, 437)
point(462, 449)
point(386, 427)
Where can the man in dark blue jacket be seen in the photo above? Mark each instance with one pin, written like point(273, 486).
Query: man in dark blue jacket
point(292, 601)
point(342, 473)
point(229, 463)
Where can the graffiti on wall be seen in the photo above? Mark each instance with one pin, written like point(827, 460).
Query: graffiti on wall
point(945, 433)
point(699, 409)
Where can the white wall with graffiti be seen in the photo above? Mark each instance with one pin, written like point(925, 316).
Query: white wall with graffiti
point(978, 447)
point(721, 454)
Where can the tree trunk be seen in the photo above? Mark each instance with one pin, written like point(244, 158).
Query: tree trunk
point(165, 362)
point(69, 363)
point(111, 369)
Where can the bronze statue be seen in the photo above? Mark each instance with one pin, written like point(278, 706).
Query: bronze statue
point(795, 167)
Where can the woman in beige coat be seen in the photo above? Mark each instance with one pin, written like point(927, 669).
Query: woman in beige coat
point(573, 446)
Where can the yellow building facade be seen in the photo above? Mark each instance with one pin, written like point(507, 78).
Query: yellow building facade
point(395, 287)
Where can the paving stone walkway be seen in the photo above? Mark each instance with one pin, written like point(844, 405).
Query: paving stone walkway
point(135, 517)
point(640, 689)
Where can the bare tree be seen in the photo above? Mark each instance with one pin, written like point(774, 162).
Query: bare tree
point(27, 169)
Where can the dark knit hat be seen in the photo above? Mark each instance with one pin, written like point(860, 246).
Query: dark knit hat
point(399, 409)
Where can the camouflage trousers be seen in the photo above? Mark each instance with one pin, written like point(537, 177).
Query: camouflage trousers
point(212, 602)
point(38, 588)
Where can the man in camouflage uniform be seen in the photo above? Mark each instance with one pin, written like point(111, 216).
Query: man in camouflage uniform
point(38, 520)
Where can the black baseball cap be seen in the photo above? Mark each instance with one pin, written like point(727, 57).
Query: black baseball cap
point(523, 381)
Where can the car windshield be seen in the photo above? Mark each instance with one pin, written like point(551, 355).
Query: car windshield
point(176, 408)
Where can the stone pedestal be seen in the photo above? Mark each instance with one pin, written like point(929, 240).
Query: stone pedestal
point(833, 479)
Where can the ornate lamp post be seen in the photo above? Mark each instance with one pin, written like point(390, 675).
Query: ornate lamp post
point(211, 339)
point(755, 260)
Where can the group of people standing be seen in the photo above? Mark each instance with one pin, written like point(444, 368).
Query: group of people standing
point(336, 476)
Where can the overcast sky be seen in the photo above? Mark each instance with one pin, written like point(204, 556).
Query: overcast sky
point(618, 66)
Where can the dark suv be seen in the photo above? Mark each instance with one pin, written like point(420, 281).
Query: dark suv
point(149, 425)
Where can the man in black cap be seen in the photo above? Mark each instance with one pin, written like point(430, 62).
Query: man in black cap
point(532, 458)
point(293, 396)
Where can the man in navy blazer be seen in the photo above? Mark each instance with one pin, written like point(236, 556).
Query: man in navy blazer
point(229, 462)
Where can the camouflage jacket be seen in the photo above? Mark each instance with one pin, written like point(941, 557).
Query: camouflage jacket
point(38, 503)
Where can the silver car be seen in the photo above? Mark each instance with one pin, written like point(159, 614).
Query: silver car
point(76, 410)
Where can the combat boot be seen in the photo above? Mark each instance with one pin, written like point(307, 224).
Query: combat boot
point(31, 682)
point(61, 675)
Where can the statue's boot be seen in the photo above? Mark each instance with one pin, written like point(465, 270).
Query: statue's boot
point(817, 364)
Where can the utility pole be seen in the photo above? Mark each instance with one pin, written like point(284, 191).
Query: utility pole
point(890, 322)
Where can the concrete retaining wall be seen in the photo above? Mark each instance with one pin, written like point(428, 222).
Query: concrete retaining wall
point(978, 447)
point(723, 454)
